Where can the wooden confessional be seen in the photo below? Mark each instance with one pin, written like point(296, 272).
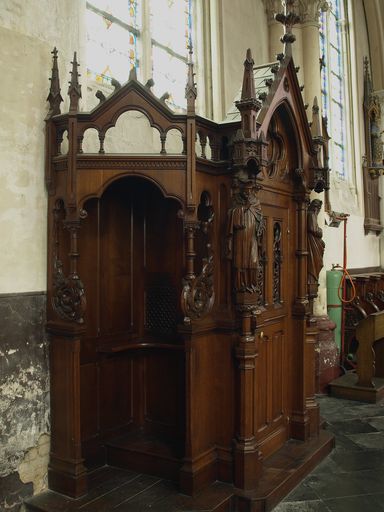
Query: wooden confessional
point(181, 337)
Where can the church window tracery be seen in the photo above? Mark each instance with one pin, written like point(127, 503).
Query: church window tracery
point(151, 35)
point(334, 83)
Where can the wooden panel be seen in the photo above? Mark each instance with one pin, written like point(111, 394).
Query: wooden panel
point(277, 375)
point(89, 266)
point(89, 401)
point(272, 362)
point(261, 398)
point(164, 391)
point(116, 398)
point(115, 263)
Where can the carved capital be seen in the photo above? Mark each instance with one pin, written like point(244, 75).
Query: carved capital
point(309, 10)
point(272, 7)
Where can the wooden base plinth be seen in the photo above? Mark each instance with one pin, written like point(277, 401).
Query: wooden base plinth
point(110, 486)
point(199, 473)
point(283, 471)
point(68, 484)
point(346, 387)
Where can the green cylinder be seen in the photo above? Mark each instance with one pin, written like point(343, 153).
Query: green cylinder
point(334, 303)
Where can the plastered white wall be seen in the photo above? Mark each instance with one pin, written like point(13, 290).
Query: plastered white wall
point(244, 25)
point(28, 32)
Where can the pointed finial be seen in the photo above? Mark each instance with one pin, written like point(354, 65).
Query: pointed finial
point(54, 96)
point(116, 84)
point(74, 90)
point(190, 89)
point(368, 86)
point(248, 104)
point(248, 89)
point(150, 83)
point(100, 96)
point(165, 97)
point(366, 66)
point(289, 18)
point(133, 74)
point(315, 126)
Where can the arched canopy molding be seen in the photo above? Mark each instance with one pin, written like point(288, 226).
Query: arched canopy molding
point(132, 96)
point(284, 98)
point(135, 178)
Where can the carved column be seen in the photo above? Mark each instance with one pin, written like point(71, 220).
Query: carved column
point(247, 457)
point(300, 422)
point(245, 227)
point(66, 472)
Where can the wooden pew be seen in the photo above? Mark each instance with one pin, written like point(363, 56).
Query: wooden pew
point(367, 384)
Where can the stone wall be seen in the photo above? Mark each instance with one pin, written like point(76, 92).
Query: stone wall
point(24, 394)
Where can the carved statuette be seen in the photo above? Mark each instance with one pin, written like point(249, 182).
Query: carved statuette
point(245, 227)
point(316, 244)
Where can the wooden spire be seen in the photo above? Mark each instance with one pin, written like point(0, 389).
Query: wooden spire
point(289, 18)
point(133, 74)
point(248, 105)
point(368, 88)
point(190, 89)
point(54, 96)
point(248, 90)
point(74, 90)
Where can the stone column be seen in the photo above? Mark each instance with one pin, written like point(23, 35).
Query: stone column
point(272, 7)
point(309, 11)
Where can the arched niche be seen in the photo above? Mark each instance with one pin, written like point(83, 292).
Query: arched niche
point(64, 144)
point(131, 264)
point(132, 134)
point(198, 148)
point(91, 142)
point(132, 251)
point(174, 142)
point(284, 152)
point(208, 150)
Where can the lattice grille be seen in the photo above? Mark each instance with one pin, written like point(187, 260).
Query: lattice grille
point(160, 305)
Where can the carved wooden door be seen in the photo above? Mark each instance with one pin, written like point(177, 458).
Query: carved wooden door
point(274, 336)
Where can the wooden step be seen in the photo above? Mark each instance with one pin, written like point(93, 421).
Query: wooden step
point(145, 453)
point(120, 490)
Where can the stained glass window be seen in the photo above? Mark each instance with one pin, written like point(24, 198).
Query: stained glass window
point(151, 35)
point(334, 83)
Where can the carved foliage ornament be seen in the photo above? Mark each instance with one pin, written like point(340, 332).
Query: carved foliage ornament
point(198, 295)
point(68, 294)
point(198, 292)
point(68, 298)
